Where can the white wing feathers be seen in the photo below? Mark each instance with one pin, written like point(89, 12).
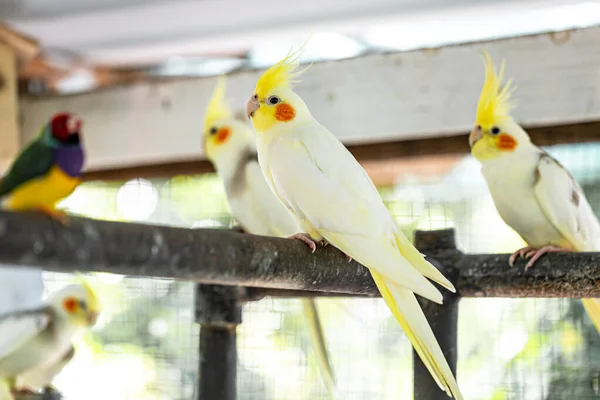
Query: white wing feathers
point(357, 221)
point(258, 210)
point(564, 204)
point(38, 378)
point(19, 328)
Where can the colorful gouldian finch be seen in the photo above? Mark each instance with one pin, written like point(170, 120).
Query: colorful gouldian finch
point(36, 344)
point(533, 193)
point(333, 198)
point(48, 170)
point(230, 145)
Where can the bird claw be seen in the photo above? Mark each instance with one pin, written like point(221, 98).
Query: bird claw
point(305, 237)
point(536, 254)
point(520, 253)
point(57, 215)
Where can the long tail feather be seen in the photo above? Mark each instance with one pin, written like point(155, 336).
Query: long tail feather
point(418, 261)
point(592, 306)
point(317, 338)
point(405, 308)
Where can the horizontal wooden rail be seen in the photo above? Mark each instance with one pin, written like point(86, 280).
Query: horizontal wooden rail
point(273, 264)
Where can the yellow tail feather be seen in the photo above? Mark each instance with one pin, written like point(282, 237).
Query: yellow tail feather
point(318, 342)
point(405, 308)
point(592, 306)
point(418, 261)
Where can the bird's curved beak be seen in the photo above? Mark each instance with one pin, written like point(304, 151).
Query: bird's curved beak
point(92, 317)
point(74, 125)
point(252, 106)
point(476, 134)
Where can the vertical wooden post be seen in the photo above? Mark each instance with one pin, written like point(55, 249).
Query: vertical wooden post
point(218, 311)
point(9, 114)
point(443, 319)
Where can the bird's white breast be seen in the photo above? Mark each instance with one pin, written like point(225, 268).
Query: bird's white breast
point(511, 181)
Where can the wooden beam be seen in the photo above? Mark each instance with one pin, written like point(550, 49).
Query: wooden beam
point(31, 240)
point(376, 98)
point(9, 125)
point(383, 161)
point(24, 46)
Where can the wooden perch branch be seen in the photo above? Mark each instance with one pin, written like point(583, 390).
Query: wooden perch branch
point(232, 258)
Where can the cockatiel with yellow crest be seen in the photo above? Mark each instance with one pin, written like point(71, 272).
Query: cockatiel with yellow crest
point(334, 200)
point(533, 193)
point(36, 344)
point(230, 145)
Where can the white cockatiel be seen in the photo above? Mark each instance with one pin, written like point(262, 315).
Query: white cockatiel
point(36, 344)
point(533, 193)
point(334, 199)
point(230, 145)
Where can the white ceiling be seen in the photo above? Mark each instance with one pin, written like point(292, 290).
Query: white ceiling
point(118, 32)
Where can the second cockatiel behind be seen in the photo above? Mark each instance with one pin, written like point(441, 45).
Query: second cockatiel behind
point(533, 193)
point(231, 147)
point(36, 344)
point(334, 199)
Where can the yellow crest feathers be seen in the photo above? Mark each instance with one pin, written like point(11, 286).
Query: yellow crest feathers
point(217, 108)
point(494, 102)
point(94, 302)
point(280, 75)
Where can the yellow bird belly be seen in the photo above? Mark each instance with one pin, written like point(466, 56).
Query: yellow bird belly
point(44, 191)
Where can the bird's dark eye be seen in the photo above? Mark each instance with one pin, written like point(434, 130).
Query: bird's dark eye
point(83, 305)
point(213, 130)
point(495, 130)
point(274, 100)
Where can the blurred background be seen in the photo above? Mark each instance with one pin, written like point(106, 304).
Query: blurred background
point(398, 82)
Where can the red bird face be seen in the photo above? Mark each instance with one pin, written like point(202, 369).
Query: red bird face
point(65, 128)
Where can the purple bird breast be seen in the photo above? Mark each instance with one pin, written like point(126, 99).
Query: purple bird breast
point(70, 160)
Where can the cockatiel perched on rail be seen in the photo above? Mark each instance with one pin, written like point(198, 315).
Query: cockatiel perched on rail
point(36, 344)
point(231, 147)
point(533, 193)
point(334, 199)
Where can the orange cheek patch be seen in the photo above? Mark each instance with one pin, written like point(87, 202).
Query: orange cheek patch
point(506, 142)
point(223, 135)
point(70, 304)
point(284, 112)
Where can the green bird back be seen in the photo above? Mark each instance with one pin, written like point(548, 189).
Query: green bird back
point(33, 162)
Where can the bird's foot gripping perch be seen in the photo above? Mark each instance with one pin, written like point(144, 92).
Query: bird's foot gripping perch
point(534, 253)
point(55, 214)
point(305, 237)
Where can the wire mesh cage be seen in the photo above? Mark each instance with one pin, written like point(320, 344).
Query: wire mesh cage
point(146, 344)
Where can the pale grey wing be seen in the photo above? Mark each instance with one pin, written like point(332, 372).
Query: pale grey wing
point(17, 329)
point(39, 378)
point(272, 216)
point(565, 205)
point(256, 208)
